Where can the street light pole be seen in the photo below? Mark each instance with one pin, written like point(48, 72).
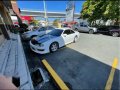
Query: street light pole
point(45, 12)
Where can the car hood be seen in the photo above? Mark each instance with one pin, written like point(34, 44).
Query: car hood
point(42, 39)
point(30, 32)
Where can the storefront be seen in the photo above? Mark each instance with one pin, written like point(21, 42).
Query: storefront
point(5, 21)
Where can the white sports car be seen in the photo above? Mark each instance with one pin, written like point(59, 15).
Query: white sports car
point(54, 40)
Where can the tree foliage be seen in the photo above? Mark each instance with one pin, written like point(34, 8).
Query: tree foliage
point(56, 22)
point(34, 22)
point(101, 9)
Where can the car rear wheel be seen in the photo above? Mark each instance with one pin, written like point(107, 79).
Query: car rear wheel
point(91, 31)
point(76, 29)
point(115, 34)
point(54, 47)
point(75, 39)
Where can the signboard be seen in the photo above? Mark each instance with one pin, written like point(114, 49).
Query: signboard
point(70, 11)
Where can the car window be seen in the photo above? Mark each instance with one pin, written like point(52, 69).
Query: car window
point(81, 25)
point(85, 25)
point(67, 32)
point(50, 28)
point(56, 32)
point(71, 31)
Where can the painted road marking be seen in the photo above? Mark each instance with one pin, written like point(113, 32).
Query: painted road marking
point(111, 76)
point(54, 75)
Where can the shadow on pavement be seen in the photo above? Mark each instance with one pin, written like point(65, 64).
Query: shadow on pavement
point(76, 69)
point(79, 70)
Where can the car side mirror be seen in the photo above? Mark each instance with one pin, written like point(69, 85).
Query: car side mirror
point(64, 35)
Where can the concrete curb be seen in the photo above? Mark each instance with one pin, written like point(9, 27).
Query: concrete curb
point(25, 78)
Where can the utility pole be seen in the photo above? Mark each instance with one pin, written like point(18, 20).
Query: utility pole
point(45, 12)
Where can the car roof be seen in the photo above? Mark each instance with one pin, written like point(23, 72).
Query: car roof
point(65, 28)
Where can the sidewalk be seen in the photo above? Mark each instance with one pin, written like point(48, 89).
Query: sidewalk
point(13, 61)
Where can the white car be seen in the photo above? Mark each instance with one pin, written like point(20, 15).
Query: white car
point(53, 40)
point(85, 28)
point(41, 31)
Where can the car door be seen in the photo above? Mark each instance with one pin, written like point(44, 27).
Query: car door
point(68, 36)
point(85, 28)
point(81, 28)
point(72, 35)
point(103, 30)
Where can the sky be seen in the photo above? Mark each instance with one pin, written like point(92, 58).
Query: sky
point(58, 6)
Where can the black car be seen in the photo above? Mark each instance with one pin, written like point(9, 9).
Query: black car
point(110, 30)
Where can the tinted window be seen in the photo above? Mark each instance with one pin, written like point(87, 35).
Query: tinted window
point(56, 32)
point(67, 32)
point(71, 31)
point(85, 25)
point(81, 25)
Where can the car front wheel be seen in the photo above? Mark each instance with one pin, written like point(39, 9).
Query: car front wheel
point(54, 47)
point(91, 31)
point(115, 34)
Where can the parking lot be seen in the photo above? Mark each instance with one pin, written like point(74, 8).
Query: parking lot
point(85, 64)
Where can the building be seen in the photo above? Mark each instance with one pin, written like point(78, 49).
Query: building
point(12, 59)
point(16, 17)
point(5, 20)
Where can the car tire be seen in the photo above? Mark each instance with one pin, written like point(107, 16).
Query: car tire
point(115, 34)
point(91, 31)
point(54, 47)
point(76, 29)
point(75, 39)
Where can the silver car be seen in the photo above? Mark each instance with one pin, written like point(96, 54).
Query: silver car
point(84, 28)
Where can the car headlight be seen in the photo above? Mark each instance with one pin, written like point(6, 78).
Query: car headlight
point(41, 45)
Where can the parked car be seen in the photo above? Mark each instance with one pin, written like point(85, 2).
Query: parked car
point(110, 30)
point(84, 28)
point(41, 31)
point(52, 41)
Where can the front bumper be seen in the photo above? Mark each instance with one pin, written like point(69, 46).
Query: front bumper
point(38, 49)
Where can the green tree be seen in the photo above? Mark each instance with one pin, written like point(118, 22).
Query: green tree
point(34, 22)
point(55, 22)
point(101, 10)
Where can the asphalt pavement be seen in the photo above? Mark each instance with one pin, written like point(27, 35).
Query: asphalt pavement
point(83, 65)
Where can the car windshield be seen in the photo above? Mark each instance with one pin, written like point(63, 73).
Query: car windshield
point(56, 32)
point(42, 29)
